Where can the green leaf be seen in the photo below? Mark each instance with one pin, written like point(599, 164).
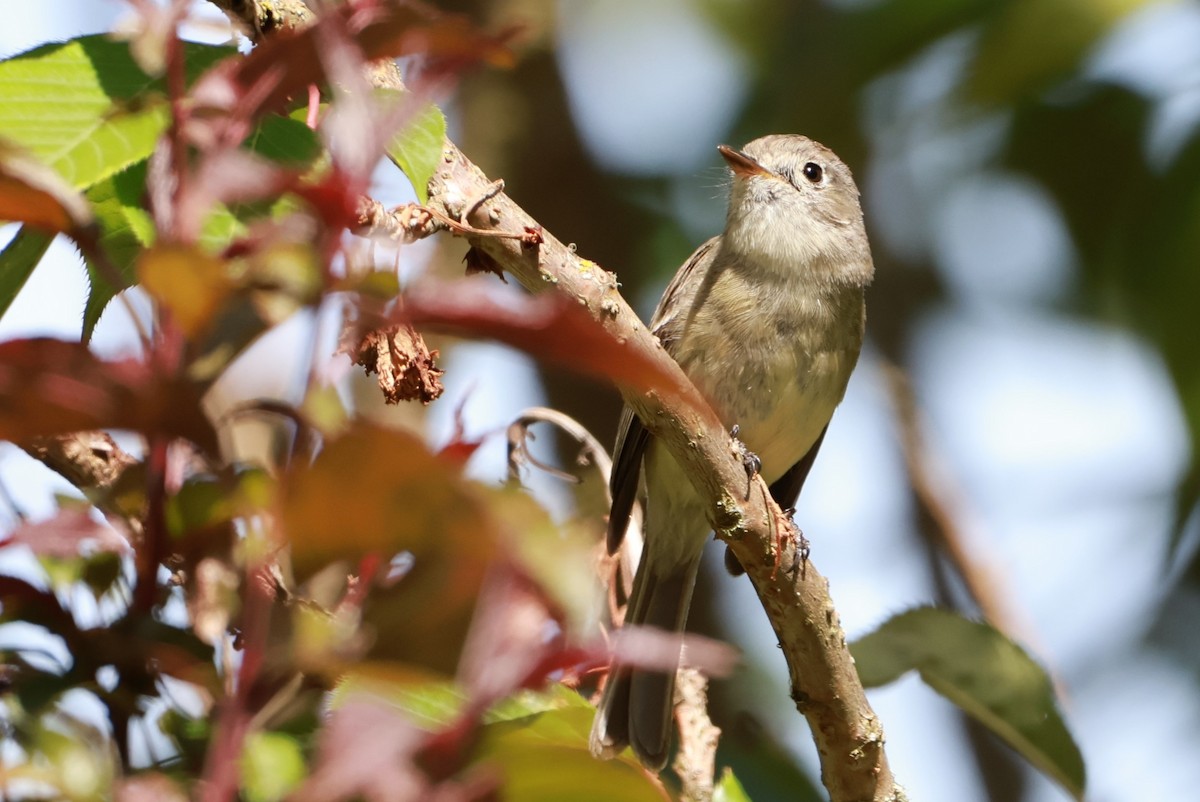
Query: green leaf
point(418, 148)
point(85, 107)
point(17, 261)
point(125, 231)
point(272, 766)
point(286, 140)
point(986, 675)
point(729, 789)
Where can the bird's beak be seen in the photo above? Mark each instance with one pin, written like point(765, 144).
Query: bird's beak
point(740, 163)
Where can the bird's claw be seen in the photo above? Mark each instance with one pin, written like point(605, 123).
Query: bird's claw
point(800, 555)
point(750, 460)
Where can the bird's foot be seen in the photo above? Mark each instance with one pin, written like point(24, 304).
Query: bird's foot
point(801, 552)
point(787, 528)
point(750, 460)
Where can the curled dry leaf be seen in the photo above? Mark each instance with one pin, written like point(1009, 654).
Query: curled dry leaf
point(478, 261)
point(406, 367)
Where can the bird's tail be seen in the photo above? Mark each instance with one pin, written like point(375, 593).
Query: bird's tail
point(636, 706)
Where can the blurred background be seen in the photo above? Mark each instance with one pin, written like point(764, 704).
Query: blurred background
point(1030, 172)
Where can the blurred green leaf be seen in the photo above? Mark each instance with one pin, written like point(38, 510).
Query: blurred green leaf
point(417, 149)
point(985, 674)
point(1031, 43)
point(17, 261)
point(729, 789)
point(539, 742)
point(549, 772)
point(765, 768)
point(272, 765)
point(286, 140)
point(428, 702)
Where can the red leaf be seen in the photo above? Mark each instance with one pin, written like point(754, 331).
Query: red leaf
point(66, 533)
point(286, 63)
point(546, 326)
point(50, 387)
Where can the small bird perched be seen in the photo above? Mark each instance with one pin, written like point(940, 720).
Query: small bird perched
point(767, 321)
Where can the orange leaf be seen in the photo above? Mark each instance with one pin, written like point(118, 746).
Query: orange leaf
point(382, 491)
point(32, 193)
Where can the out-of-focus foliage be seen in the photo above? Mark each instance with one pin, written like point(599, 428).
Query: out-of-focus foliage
point(364, 567)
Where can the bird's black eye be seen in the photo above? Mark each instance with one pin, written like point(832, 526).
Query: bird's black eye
point(813, 172)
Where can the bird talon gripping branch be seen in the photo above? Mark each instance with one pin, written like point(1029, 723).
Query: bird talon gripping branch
point(750, 460)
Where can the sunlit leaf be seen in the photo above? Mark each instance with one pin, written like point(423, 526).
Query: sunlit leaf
point(125, 230)
point(429, 702)
point(84, 106)
point(545, 759)
point(537, 740)
point(417, 149)
point(984, 673)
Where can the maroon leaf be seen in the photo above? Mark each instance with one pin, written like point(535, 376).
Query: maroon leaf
point(50, 387)
point(546, 326)
point(285, 64)
point(68, 534)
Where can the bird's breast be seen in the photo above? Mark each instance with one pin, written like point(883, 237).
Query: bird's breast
point(773, 361)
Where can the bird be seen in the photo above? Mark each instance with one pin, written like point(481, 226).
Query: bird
point(767, 320)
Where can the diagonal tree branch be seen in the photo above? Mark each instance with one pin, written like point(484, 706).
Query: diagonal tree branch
point(825, 684)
